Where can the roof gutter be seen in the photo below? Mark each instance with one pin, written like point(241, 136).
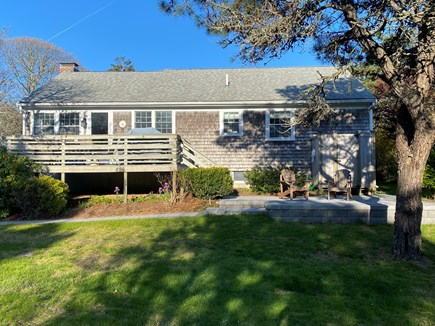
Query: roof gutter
point(189, 104)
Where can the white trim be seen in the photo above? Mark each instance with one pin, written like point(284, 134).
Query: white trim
point(215, 105)
point(371, 116)
point(32, 123)
point(153, 117)
point(55, 122)
point(23, 120)
point(89, 121)
point(56, 117)
point(221, 123)
point(110, 122)
point(292, 131)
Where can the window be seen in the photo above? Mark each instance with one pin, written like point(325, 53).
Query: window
point(143, 119)
point(277, 125)
point(231, 124)
point(164, 122)
point(69, 124)
point(239, 176)
point(160, 120)
point(44, 124)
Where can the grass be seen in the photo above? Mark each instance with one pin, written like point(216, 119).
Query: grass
point(229, 270)
point(390, 188)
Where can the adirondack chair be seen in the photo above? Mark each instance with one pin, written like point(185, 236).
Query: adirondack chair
point(287, 180)
point(342, 183)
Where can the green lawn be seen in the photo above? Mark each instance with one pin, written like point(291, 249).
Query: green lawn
point(390, 188)
point(233, 270)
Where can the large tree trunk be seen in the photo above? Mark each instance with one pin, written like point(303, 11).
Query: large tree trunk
point(414, 143)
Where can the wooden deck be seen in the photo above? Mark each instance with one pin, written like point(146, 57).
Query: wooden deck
point(101, 153)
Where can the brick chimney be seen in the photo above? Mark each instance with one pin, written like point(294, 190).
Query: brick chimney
point(68, 67)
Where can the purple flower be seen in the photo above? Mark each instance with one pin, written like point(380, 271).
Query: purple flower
point(160, 190)
point(117, 190)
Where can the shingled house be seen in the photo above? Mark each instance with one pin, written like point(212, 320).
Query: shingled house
point(143, 122)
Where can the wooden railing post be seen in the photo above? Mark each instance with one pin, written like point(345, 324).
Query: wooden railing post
point(125, 187)
point(9, 144)
point(62, 174)
point(125, 170)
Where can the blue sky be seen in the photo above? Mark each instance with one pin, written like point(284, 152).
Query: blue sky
point(97, 31)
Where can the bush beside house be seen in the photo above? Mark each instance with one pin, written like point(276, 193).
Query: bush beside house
point(208, 183)
point(264, 180)
point(41, 196)
point(23, 192)
point(13, 169)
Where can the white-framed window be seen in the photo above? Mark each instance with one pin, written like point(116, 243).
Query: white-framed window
point(43, 124)
point(69, 123)
point(143, 119)
point(231, 123)
point(278, 125)
point(163, 121)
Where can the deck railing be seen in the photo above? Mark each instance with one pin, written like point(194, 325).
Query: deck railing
point(100, 153)
point(109, 153)
point(191, 157)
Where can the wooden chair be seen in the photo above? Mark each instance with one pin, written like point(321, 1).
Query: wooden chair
point(287, 179)
point(342, 183)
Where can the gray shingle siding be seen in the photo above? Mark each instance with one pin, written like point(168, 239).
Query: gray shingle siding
point(241, 153)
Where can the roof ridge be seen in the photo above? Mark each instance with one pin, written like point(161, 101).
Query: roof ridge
point(205, 69)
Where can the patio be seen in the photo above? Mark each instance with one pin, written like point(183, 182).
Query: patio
point(377, 209)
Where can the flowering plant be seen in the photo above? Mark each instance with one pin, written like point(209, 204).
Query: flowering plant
point(164, 188)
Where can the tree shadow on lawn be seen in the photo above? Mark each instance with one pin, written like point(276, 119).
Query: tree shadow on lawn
point(253, 270)
point(23, 240)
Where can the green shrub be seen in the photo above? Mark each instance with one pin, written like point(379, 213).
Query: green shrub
point(41, 197)
point(264, 180)
point(208, 183)
point(13, 169)
point(386, 157)
point(95, 200)
point(429, 173)
point(302, 179)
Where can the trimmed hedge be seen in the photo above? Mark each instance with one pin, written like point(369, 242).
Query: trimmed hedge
point(264, 180)
point(41, 197)
point(208, 183)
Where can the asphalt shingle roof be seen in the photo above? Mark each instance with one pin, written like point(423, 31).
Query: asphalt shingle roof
point(190, 86)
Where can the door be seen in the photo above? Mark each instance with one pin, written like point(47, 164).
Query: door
point(100, 123)
point(338, 151)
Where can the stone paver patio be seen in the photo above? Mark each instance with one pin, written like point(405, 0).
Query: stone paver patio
point(377, 209)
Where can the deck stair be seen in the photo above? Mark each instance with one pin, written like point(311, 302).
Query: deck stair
point(190, 157)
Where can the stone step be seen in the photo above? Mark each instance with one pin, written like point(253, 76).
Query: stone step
point(363, 209)
point(235, 211)
point(245, 201)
